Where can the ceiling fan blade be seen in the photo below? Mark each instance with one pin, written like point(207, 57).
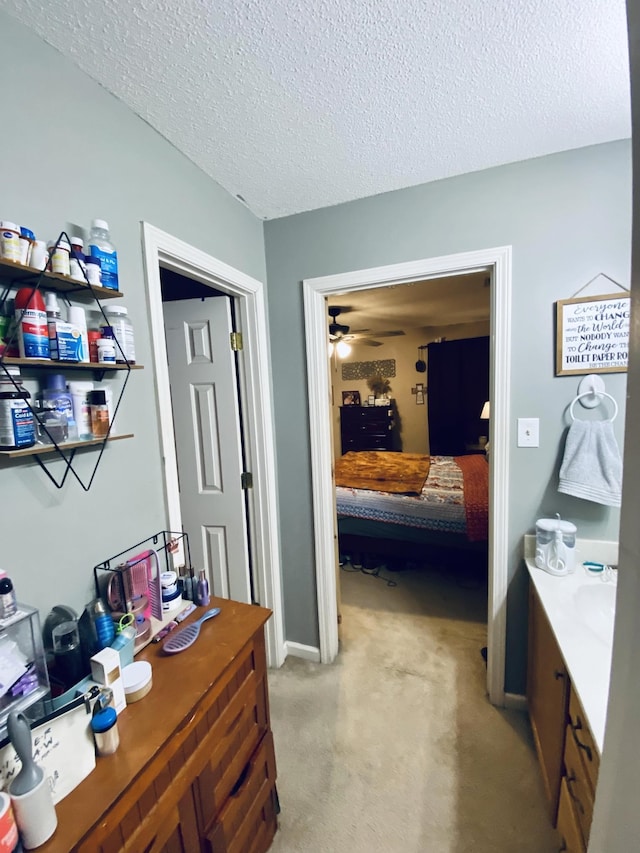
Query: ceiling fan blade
point(368, 342)
point(393, 334)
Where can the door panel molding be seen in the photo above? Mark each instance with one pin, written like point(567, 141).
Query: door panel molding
point(162, 249)
point(497, 261)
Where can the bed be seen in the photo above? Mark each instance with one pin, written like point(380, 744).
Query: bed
point(384, 504)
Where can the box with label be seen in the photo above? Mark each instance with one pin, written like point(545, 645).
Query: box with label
point(105, 669)
point(65, 341)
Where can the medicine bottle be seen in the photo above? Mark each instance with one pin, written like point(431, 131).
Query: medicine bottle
point(60, 258)
point(101, 247)
point(94, 272)
point(17, 429)
point(10, 241)
point(106, 350)
point(104, 724)
point(99, 413)
point(122, 332)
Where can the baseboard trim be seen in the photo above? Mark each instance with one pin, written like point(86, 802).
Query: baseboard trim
point(515, 701)
point(299, 650)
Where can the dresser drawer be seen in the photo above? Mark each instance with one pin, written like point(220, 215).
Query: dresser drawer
point(245, 723)
point(578, 785)
point(249, 812)
point(568, 825)
point(579, 731)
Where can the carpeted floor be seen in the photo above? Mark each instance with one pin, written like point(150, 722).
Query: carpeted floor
point(395, 748)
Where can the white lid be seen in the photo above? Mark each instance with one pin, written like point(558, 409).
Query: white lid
point(76, 386)
point(168, 578)
point(100, 223)
point(5, 225)
point(553, 524)
point(102, 342)
point(77, 241)
point(115, 309)
point(76, 314)
point(136, 675)
point(63, 244)
point(51, 301)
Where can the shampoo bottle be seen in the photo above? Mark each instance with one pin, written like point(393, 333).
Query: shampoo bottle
point(202, 589)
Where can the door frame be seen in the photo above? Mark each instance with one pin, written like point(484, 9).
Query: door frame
point(163, 249)
point(497, 262)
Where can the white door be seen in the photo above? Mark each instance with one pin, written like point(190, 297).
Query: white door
point(208, 441)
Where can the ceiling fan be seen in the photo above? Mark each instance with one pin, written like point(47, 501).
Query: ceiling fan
point(339, 332)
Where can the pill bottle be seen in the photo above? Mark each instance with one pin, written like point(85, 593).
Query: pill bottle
point(10, 241)
point(60, 258)
point(99, 413)
point(101, 247)
point(17, 428)
point(8, 605)
point(104, 725)
point(93, 336)
point(76, 266)
point(122, 332)
point(106, 350)
point(39, 255)
point(94, 271)
point(27, 239)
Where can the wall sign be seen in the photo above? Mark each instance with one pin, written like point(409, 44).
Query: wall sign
point(364, 369)
point(592, 334)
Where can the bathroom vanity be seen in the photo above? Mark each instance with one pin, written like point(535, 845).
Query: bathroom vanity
point(195, 769)
point(570, 640)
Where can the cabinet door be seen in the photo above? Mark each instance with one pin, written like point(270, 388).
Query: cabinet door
point(548, 695)
point(571, 837)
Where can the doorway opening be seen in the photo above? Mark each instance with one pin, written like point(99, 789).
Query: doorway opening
point(412, 507)
point(496, 263)
point(162, 250)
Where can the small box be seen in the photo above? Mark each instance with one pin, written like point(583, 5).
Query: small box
point(105, 669)
point(66, 343)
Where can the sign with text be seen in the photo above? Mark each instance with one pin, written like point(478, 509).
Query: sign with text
point(592, 334)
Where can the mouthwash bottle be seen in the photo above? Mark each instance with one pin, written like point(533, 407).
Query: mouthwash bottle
point(101, 247)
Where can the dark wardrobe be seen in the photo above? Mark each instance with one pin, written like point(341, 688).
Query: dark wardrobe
point(457, 388)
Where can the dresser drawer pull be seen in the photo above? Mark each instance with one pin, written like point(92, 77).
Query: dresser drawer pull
point(575, 728)
point(558, 674)
point(570, 780)
point(235, 720)
point(241, 779)
point(563, 847)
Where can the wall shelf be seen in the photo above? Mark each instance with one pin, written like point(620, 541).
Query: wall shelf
point(52, 281)
point(42, 449)
point(71, 365)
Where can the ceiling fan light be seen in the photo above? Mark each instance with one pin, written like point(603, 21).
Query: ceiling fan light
point(343, 349)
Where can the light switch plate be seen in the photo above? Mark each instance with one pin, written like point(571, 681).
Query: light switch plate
point(528, 432)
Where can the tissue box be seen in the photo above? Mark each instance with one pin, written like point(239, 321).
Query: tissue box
point(105, 669)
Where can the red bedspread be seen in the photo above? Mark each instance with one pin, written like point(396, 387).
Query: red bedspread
point(475, 473)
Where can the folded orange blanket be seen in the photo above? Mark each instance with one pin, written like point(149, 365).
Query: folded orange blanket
point(383, 471)
point(475, 475)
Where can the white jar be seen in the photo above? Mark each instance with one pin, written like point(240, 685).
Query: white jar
point(10, 241)
point(60, 259)
point(39, 255)
point(123, 333)
point(106, 350)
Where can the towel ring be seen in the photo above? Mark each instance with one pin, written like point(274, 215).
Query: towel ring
point(590, 394)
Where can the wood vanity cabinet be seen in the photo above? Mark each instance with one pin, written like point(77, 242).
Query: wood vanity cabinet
point(195, 770)
point(548, 699)
point(568, 756)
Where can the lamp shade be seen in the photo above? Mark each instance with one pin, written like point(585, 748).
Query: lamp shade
point(484, 414)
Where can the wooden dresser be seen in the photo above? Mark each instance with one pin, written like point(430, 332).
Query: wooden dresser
point(195, 771)
point(367, 427)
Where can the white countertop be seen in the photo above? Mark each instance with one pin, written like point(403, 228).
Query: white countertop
point(587, 654)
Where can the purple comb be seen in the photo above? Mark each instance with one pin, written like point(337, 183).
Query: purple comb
point(181, 640)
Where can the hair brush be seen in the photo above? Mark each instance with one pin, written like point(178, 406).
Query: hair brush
point(181, 640)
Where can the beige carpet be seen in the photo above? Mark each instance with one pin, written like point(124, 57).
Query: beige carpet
point(395, 748)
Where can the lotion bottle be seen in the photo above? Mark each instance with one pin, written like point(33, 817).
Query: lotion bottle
point(202, 589)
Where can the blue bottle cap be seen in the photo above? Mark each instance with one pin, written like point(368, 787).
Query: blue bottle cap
point(25, 232)
point(56, 382)
point(103, 720)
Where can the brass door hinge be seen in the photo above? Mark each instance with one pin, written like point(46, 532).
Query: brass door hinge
point(246, 479)
point(236, 341)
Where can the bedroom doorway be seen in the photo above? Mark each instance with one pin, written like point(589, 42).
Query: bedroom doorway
point(496, 263)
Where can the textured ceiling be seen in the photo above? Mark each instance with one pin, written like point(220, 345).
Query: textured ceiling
point(300, 104)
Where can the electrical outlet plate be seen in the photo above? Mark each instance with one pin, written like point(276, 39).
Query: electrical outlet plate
point(528, 432)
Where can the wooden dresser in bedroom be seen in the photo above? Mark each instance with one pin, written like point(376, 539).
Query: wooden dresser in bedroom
point(367, 427)
point(195, 770)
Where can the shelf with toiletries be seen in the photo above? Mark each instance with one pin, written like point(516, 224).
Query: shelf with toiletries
point(109, 350)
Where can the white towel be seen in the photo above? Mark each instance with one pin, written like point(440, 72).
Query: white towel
point(592, 465)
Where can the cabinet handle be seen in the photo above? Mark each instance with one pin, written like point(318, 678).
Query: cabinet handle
point(575, 728)
point(570, 780)
point(558, 674)
point(241, 779)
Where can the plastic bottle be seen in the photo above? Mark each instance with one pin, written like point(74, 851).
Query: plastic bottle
point(17, 428)
point(122, 332)
point(60, 258)
point(31, 317)
point(10, 241)
point(202, 593)
point(53, 316)
point(8, 604)
point(99, 412)
point(79, 319)
point(79, 391)
point(103, 622)
point(100, 246)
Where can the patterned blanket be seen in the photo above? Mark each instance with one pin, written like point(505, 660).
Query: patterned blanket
point(383, 471)
point(475, 473)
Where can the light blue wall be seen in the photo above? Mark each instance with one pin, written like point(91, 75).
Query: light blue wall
point(567, 217)
point(72, 152)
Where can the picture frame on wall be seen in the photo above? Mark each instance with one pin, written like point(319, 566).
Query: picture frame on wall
point(592, 334)
point(371, 399)
point(350, 398)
